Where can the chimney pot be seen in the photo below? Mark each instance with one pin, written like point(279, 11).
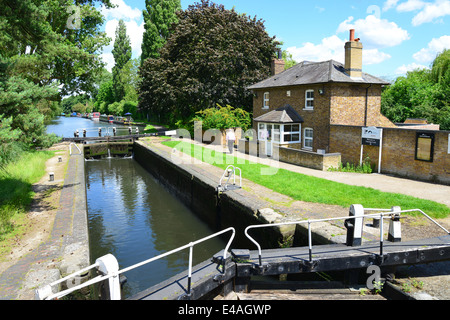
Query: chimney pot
point(352, 34)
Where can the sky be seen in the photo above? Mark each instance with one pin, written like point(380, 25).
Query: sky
point(397, 35)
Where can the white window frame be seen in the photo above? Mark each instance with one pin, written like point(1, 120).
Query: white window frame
point(285, 132)
point(308, 138)
point(266, 99)
point(308, 99)
point(279, 133)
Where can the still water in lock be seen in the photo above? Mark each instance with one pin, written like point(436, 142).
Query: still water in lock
point(132, 216)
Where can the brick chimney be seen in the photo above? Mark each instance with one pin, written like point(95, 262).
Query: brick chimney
point(277, 65)
point(353, 56)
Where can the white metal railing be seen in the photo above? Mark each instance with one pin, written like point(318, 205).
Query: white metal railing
point(109, 130)
point(70, 148)
point(112, 271)
point(230, 172)
point(309, 222)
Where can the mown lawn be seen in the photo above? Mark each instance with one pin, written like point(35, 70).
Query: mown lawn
point(311, 189)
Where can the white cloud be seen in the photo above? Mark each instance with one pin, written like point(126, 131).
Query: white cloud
point(333, 48)
point(330, 48)
point(389, 4)
point(410, 67)
point(431, 11)
point(374, 32)
point(121, 11)
point(108, 59)
point(374, 56)
point(411, 5)
point(435, 46)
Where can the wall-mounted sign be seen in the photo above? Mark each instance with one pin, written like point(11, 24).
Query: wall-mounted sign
point(371, 136)
point(425, 146)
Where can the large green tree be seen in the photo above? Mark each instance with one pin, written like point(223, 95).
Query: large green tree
point(422, 93)
point(210, 58)
point(159, 15)
point(122, 54)
point(53, 41)
point(48, 49)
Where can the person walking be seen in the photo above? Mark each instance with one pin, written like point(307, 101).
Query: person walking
point(231, 138)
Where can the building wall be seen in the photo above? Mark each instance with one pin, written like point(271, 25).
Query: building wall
point(348, 106)
point(398, 152)
point(343, 104)
point(317, 119)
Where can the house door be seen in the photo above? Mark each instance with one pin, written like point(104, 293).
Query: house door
point(269, 140)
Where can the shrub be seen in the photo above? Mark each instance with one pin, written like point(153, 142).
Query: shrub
point(223, 118)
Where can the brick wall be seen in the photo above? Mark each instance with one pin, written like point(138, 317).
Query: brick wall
point(348, 105)
point(398, 153)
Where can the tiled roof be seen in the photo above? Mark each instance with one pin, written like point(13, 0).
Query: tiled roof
point(285, 114)
point(313, 73)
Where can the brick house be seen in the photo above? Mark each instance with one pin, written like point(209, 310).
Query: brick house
point(295, 108)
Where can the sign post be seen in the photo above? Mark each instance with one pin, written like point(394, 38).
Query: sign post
point(372, 136)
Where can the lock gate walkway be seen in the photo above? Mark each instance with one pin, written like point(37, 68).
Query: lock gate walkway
point(244, 264)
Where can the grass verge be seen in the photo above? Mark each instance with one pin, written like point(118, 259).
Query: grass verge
point(311, 189)
point(16, 191)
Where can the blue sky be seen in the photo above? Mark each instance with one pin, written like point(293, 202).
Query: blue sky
point(398, 35)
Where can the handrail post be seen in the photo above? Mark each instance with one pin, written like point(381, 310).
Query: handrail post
point(191, 249)
point(310, 241)
point(108, 265)
point(381, 235)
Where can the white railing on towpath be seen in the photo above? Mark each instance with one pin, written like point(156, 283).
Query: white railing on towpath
point(109, 266)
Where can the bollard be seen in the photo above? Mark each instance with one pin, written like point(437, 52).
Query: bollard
point(395, 229)
point(52, 176)
point(355, 226)
point(59, 159)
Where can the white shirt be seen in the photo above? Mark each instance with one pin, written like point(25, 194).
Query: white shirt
point(231, 135)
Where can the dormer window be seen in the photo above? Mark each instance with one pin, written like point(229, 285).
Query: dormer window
point(266, 100)
point(309, 99)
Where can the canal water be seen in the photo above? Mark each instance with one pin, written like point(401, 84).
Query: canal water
point(66, 126)
point(132, 216)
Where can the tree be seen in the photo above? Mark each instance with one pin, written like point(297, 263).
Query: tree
point(44, 55)
point(159, 15)
point(440, 71)
point(122, 54)
point(46, 47)
point(422, 93)
point(288, 60)
point(210, 58)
